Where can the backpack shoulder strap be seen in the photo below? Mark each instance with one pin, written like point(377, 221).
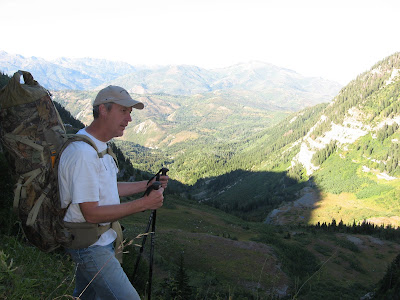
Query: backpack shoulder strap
point(109, 152)
point(84, 138)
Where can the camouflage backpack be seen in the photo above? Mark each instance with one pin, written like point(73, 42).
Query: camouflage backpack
point(33, 135)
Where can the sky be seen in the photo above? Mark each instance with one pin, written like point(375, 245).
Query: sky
point(336, 40)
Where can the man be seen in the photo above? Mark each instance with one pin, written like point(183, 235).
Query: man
point(89, 188)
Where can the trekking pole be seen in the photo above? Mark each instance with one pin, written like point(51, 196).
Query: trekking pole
point(152, 221)
point(163, 172)
point(155, 186)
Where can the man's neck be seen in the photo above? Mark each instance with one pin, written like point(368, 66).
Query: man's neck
point(95, 130)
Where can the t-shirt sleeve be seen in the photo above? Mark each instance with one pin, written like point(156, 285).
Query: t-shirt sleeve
point(83, 172)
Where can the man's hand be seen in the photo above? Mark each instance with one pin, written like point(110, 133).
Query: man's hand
point(163, 180)
point(154, 200)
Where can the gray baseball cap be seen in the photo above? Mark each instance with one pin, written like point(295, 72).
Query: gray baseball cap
point(117, 95)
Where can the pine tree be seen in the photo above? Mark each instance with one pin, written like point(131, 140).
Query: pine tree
point(389, 286)
point(183, 289)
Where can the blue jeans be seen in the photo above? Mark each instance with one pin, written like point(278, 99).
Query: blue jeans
point(110, 283)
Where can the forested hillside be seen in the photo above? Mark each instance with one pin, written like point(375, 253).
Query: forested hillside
point(347, 153)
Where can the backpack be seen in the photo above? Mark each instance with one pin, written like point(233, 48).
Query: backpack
point(33, 135)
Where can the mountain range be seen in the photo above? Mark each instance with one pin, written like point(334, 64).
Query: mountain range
point(93, 74)
point(63, 73)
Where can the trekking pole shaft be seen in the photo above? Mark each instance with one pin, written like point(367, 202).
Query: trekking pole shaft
point(163, 172)
point(153, 232)
point(155, 186)
point(142, 247)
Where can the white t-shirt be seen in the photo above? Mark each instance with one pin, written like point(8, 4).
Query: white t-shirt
point(84, 177)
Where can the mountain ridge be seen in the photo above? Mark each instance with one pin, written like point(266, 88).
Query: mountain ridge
point(93, 74)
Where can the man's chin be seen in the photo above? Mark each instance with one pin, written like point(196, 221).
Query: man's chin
point(119, 133)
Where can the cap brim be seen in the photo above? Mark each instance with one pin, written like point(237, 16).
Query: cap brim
point(130, 103)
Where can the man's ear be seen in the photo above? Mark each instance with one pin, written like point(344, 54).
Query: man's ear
point(102, 110)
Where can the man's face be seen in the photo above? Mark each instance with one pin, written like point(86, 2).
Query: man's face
point(117, 119)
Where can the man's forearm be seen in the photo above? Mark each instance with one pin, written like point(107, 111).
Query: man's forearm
point(94, 213)
point(130, 188)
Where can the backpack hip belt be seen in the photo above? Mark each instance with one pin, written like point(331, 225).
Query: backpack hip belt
point(86, 234)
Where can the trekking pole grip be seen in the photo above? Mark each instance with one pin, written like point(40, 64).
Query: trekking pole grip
point(163, 172)
point(154, 186)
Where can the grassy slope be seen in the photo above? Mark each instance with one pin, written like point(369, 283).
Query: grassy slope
point(222, 255)
point(213, 244)
point(220, 247)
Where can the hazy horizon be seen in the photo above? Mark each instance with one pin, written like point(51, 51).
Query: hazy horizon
point(335, 40)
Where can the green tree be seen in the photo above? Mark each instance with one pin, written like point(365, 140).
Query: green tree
point(183, 289)
point(177, 287)
point(389, 286)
